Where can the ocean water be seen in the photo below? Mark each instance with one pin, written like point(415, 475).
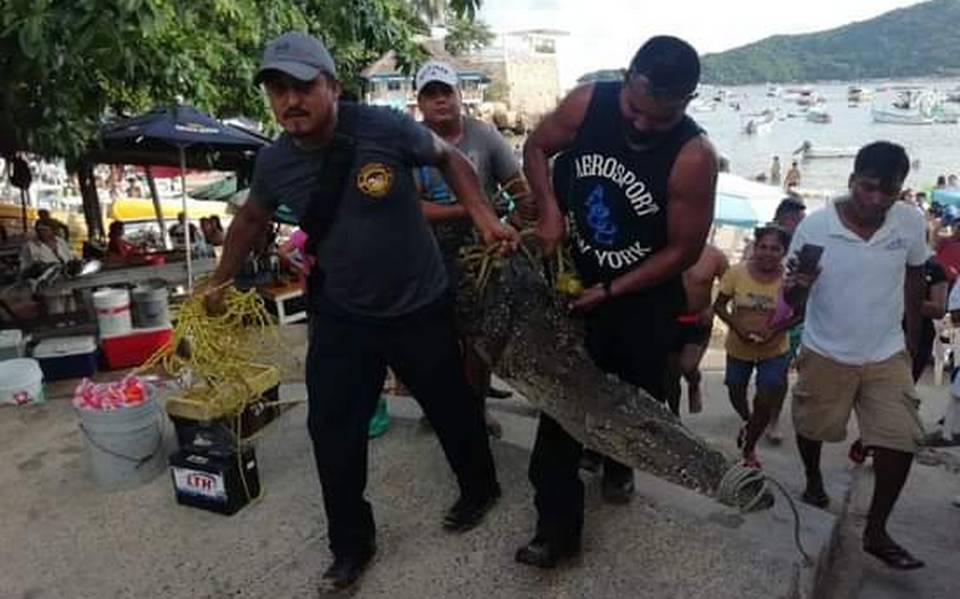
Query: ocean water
point(934, 148)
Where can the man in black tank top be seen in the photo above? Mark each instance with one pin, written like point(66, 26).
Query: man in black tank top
point(634, 187)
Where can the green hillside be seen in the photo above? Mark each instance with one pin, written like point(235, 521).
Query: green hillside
point(921, 40)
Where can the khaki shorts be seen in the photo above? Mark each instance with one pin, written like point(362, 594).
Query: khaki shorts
point(882, 393)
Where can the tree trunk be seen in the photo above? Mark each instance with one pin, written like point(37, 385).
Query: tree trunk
point(158, 208)
point(91, 201)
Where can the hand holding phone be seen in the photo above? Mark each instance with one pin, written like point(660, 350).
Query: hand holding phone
point(808, 258)
point(802, 271)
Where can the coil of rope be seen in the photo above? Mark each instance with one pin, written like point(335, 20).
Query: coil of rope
point(749, 489)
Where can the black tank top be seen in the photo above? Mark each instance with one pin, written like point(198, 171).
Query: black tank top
point(615, 196)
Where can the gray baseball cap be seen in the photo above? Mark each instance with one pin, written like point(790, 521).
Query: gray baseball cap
point(297, 54)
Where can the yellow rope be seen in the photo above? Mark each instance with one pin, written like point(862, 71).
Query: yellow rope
point(212, 356)
point(214, 359)
point(478, 263)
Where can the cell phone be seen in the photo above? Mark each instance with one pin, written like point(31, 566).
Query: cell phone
point(808, 258)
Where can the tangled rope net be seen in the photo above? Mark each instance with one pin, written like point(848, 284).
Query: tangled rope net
point(214, 357)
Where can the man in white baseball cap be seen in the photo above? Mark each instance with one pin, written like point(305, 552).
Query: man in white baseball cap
point(440, 101)
point(436, 71)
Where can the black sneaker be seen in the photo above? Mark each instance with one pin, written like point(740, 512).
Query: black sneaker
point(542, 553)
point(344, 572)
point(468, 512)
point(815, 495)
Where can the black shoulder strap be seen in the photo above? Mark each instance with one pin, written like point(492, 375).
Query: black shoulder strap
point(325, 199)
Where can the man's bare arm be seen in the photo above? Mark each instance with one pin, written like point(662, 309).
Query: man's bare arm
point(723, 264)
point(691, 190)
point(246, 226)
point(462, 179)
point(443, 212)
point(555, 133)
point(936, 306)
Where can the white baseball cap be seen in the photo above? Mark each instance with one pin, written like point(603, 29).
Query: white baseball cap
point(435, 70)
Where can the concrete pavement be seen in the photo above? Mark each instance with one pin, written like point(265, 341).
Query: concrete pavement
point(924, 519)
point(66, 538)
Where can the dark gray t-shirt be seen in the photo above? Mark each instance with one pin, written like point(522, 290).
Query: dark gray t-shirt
point(489, 153)
point(379, 257)
point(494, 161)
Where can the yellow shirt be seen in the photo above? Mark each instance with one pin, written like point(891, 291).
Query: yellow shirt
point(754, 302)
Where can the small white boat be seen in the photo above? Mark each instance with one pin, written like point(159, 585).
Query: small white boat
point(901, 117)
point(808, 151)
point(856, 94)
point(818, 115)
point(774, 91)
point(703, 105)
point(759, 124)
point(809, 98)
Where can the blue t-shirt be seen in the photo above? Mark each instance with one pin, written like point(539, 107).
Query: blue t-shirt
point(379, 256)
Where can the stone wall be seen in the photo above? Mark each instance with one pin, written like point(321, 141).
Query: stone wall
point(533, 84)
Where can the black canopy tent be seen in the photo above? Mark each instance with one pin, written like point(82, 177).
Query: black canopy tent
point(180, 136)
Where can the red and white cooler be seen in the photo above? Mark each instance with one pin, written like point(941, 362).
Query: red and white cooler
point(134, 347)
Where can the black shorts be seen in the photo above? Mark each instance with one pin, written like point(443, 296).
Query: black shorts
point(630, 337)
point(695, 333)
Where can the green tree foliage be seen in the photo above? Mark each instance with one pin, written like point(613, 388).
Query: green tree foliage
point(466, 35)
point(65, 66)
point(435, 12)
point(920, 40)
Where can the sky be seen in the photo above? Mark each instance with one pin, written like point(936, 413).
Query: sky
point(606, 33)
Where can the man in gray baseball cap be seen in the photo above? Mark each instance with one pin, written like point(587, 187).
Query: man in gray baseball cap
point(377, 297)
point(297, 54)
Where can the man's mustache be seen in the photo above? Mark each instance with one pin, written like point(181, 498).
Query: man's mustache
point(295, 112)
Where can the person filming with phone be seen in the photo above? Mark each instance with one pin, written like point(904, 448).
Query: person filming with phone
point(855, 355)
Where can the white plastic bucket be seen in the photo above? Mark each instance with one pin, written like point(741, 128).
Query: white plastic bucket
point(21, 382)
point(125, 446)
point(150, 306)
point(113, 311)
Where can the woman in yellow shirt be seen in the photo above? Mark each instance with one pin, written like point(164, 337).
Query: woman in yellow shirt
point(753, 287)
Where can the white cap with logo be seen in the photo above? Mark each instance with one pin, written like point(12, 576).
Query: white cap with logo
point(435, 70)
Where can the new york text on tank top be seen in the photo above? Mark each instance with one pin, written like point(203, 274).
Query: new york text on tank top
point(603, 234)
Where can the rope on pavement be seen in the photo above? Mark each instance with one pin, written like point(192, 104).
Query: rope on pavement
point(749, 489)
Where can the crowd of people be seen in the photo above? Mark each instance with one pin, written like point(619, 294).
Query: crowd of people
point(622, 171)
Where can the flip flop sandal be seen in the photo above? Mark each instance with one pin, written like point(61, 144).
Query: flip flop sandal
point(894, 556)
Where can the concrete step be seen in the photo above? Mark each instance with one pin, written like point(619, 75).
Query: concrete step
point(924, 521)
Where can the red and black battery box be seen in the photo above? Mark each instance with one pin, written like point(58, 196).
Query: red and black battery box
point(221, 481)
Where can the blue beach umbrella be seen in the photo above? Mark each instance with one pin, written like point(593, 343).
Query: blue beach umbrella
point(188, 131)
point(734, 211)
point(946, 197)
